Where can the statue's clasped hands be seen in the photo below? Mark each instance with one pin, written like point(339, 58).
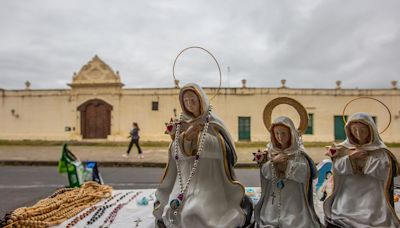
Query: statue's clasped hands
point(358, 154)
point(280, 158)
point(193, 129)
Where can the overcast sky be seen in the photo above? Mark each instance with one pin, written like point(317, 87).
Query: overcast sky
point(309, 43)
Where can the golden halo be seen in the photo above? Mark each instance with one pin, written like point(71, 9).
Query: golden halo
point(371, 98)
point(219, 69)
point(289, 101)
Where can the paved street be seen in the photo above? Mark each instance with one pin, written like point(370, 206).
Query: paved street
point(112, 155)
point(25, 185)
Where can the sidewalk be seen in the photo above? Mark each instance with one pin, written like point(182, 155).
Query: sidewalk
point(112, 156)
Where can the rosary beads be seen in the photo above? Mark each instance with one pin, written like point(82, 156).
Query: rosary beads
point(60, 206)
point(111, 217)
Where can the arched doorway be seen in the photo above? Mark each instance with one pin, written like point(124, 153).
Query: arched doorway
point(95, 119)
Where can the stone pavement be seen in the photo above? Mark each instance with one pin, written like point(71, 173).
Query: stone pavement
point(112, 155)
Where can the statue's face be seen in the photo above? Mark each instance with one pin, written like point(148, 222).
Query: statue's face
point(360, 132)
point(191, 102)
point(282, 135)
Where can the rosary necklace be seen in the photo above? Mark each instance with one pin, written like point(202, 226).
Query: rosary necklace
point(176, 204)
point(280, 184)
point(111, 217)
point(89, 211)
point(100, 211)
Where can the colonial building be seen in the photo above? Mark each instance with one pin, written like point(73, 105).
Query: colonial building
point(97, 107)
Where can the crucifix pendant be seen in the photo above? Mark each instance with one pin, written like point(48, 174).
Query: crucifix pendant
point(137, 221)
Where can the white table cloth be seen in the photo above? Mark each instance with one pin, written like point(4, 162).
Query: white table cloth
point(136, 215)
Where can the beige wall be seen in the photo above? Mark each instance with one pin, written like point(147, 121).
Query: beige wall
point(43, 114)
point(38, 114)
point(323, 103)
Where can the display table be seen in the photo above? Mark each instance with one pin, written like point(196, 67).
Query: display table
point(135, 214)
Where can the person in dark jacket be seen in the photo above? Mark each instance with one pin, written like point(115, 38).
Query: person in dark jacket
point(134, 135)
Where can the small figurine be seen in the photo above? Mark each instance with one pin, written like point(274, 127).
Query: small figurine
point(286, 176)
point(363, 172)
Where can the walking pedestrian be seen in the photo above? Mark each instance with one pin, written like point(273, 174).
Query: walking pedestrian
point(134, 135)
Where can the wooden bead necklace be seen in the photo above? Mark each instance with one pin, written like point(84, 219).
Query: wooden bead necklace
point(60, 206)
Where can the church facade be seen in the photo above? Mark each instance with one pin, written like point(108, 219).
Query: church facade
point(97, 107)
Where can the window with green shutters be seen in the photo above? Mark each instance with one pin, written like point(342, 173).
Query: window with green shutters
point(310, 128)
point(339, 128)
point(244, 128)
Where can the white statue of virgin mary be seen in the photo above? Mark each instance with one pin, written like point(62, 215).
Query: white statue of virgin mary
point(363, 172)
point(199, 188)
point(286, 181)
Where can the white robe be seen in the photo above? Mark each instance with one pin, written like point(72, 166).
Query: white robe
point(294, 209)
point(360, 200)
point(211, 200)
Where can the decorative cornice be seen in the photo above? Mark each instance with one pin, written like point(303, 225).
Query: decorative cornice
point(96, 73)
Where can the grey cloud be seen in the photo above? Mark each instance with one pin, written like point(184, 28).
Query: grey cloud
point(309, 43)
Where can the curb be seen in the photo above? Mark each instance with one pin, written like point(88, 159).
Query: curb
point(107, 164)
